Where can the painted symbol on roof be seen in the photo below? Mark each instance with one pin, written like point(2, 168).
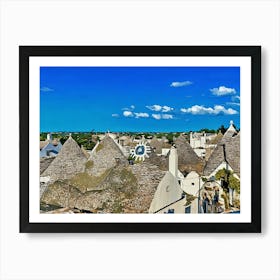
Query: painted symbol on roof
point(141, 151)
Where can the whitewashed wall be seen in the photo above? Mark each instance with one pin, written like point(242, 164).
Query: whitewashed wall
point(155, 22)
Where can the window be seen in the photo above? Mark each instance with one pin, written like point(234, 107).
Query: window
point(188, 209)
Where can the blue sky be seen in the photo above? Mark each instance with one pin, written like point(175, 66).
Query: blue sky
point(166, 99)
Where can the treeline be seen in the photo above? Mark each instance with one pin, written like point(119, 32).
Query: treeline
point(89, 139)
point(84, 139)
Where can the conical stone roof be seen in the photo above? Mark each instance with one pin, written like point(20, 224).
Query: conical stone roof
point(231, 140)
point(160, 161)
point(217, 138)
point(156, 145)
point(69, 161)
point(126, 189)
point(187, 159)
point(105, 156)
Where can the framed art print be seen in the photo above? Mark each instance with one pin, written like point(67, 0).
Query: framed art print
point(140, 138)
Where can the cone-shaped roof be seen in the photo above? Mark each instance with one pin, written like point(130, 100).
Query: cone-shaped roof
point(217, 138)
point(156, 144)
point(85, 152)
point(106, 155)
point(69, 161)
point(188, 160)
point(231, 131)
point(160, 161)
point(124, 189)
point(231, 140)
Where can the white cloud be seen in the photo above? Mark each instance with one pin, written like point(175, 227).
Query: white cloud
point(46, 89)
point(201, 110)
point(154, 108)
point(181, 84)
point(235, 97)
point(222, 90)
point(156, 116)
point(115, 115)
point(141, 115)
point(166, 109)
point(159, 108)
point(130, 108)
point(128, 114)
point(233, 103)
point(162, 116)
point(167, 116)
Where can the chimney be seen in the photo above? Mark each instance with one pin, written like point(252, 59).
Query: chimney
point(191, 139)
point(173, 162)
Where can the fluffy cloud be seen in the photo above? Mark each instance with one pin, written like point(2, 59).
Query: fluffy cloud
point(162, 110)
point(167, 116)
point(154, 107)
point(46, 89)
point(162, 116)
point(141, 115)
point(201, 110)
point(128, 114)
point(181, 84)
point(156, 116)
point(159, 108)
point(166, 109)
point(115, 115)
point(222, 90)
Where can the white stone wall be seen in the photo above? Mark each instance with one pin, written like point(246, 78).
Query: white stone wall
point(164, 151)
point(168, 191)
point(194, 206)
point(191, 183)
point(178, 207)
point(200, 152)
point(197, 141)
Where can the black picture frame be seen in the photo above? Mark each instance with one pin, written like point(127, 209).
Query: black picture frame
point(254, 52)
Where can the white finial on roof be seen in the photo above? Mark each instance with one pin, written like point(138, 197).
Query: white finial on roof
point(231, 127)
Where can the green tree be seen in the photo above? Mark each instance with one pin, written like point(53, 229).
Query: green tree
point(169, 137)
point(63, 139)
point(207, 130)
point(222, 129)
point(233, 182)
